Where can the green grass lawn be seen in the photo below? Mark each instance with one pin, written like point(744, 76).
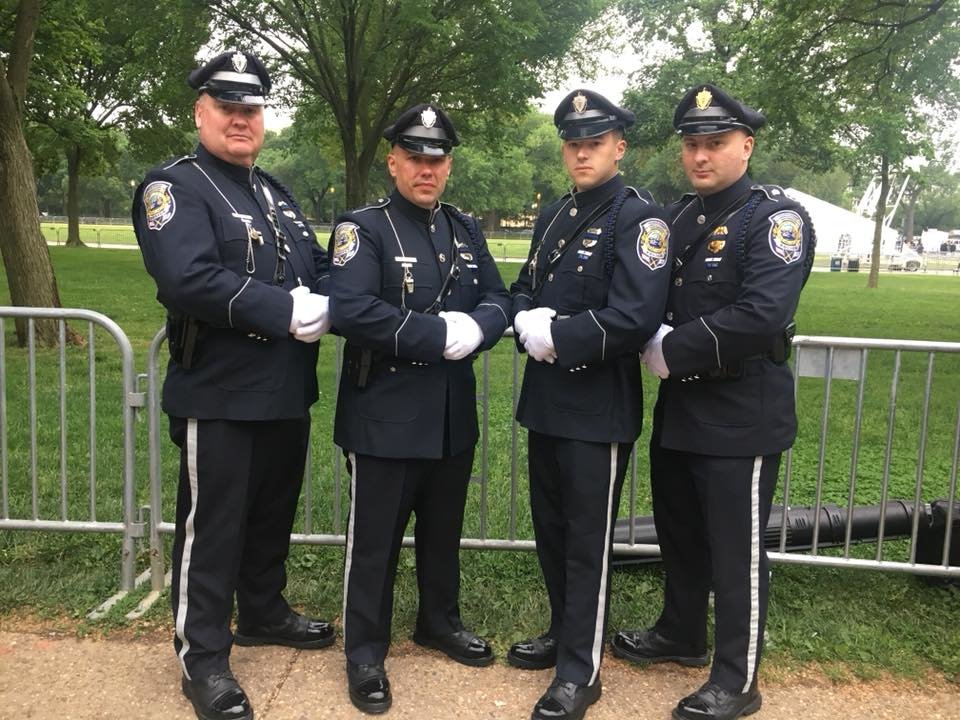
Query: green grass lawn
point(855, 622)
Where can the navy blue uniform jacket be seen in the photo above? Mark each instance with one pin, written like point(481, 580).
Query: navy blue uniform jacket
point(729, 312)
point(609, 292)
point(414, 404)
point(191, 217)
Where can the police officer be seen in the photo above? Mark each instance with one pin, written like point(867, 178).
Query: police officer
point(417, 295)
point(241, 275)
point(591, 294)
point(725, 411)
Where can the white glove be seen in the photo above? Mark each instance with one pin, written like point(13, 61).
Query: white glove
point(463, 335)
point(534, 329)
point(308, 309)
point(312, 332)
point(652, 355)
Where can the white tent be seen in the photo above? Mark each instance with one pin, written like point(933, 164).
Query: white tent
point(841, 231)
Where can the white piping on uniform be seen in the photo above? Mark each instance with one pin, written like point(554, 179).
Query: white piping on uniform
point(396, 335)
point(716, 342)
point(498, 308)
point(395, 233)
point(754, 635)
point(188, 537)
point(348, 561)
point(230, 304)
point(544, 236)
point(605, 568)
point(603, 345)
point(215, 187)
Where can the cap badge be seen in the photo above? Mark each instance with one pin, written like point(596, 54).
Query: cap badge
point(428, 118)
point(239, 61)
point(704, 97)
point(579, 102)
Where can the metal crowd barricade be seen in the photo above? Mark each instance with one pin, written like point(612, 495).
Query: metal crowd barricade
point(20, 471)
point(498, 516)
point(838, 375)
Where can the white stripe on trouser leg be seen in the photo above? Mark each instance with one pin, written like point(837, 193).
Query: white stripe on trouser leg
point(188, 537)
point(602, 595)
point(754, 571)
point(348, 560)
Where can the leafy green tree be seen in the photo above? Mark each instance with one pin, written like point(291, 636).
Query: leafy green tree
point(858, 80)
point(26, 259)
point(367, 60)
point(104, 66)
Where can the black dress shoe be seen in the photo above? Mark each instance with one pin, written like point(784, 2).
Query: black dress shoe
point(712, 702)
point(369, 688)
point(649, 646)
point(565, 701)
point(217, 697)
point(463, 646)
point(537, 653)
point(295, 630)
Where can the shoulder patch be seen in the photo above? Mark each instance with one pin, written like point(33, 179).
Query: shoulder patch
point(159, 204)
point(346, 242)
point(653, 243)
point(786, 235)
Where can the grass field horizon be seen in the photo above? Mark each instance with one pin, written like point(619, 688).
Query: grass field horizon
point(837, 617)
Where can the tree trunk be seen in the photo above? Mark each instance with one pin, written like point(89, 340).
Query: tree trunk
point(873, 280)
point(25, 256)
point(74, 155)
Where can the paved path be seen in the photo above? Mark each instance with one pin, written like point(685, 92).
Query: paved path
point(44, 676)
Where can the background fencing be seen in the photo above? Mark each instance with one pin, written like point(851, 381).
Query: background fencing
point(871, 482)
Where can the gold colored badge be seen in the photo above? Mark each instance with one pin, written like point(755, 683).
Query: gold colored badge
point(589, 242)
point(704, 97)
point(716, 245)
point(579, 102)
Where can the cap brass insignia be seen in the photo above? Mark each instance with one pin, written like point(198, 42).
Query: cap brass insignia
point(704, 97)
point(428, 118)
point(579, 102)
point(239, 61)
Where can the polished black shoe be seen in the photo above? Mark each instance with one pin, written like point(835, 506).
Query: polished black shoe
point(565, 701)
point(649, 646)
point(217, 697)
point(537, 653)
point(463, 646)
point(369, 688)
point(297, 631)
point(712, 702)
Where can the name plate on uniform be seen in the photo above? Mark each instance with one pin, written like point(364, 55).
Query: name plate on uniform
point(404, 260)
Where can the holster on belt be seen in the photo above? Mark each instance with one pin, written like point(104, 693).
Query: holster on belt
point(359, 364)
point(182, 333)
point(783, 344)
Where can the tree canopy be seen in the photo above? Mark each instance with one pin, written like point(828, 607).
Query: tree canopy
point(369, 59)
